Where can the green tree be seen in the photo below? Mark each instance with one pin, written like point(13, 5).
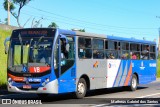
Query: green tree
point(53, 24)
point(82, 30)
point(5, 4)
point(20, 3)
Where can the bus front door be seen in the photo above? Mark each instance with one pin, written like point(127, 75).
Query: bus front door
point(67, 71)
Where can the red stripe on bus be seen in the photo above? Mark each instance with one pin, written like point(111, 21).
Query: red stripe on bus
point(38, 69)
point(14, 78)
point(129, 75)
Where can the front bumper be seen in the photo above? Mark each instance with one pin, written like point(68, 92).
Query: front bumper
point(51, 88)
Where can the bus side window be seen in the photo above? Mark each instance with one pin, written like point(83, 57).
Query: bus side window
point(125, 50)
point(111, 52)
point(84, 47)
point(152, 52)
point(70, 47)
point(145, 52)
point(98, 48)
point(135, 51)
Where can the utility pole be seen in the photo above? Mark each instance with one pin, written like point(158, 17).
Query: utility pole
point(8, 12)
point(159, 37)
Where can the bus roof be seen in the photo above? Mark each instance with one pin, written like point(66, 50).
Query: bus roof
point(130, 40)
point(90, 34)
point(115, 38)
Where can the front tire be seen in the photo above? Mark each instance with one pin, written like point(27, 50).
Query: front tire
point(81, 88)
point(134, 83)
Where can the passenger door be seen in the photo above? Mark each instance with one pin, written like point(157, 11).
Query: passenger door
point(67, 71)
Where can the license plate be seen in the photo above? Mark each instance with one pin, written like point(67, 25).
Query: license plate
point(26, 86)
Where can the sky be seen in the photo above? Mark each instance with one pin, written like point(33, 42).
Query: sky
point(125, 18)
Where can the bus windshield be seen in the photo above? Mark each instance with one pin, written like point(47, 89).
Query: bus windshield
point(27, 52)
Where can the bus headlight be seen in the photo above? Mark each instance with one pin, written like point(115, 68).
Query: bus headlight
point(44, 83)
point(9, 80)
point(47, 80)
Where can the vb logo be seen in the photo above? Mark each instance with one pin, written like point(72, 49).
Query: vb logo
point(37, 69)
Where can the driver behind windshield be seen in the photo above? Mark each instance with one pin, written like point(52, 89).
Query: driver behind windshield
point(44, 54)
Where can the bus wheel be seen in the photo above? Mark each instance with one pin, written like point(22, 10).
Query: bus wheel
point(81, 88)
point(134, 83)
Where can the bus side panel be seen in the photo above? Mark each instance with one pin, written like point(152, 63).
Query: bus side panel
point(67, 81)
point(113, 69)
point(146, 70)
point(119, 73)
point(95, 69)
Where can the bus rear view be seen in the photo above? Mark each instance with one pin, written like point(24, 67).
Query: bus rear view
point(29, 61)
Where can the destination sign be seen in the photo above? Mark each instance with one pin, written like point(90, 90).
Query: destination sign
point(33, 32)
point(43, 32)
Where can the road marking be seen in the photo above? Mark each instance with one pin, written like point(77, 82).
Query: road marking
point(100, 105)
point(148, 95)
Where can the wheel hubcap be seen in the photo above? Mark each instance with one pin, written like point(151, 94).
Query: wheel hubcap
point(81, 88)
point(134, 83)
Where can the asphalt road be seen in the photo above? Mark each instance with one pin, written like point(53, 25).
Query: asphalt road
point(96, 98)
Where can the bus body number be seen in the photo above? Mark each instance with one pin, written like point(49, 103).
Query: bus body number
point(37, 69)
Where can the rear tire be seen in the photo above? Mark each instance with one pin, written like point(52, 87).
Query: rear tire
point(133, 83)
point(81, 88)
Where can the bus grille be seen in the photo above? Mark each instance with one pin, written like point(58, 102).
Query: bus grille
point(32, 89)
point(28, 82)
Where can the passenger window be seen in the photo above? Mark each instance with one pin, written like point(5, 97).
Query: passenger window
point(111, 52)
point(152, 48)
point(71, 48)
point(98, 44)
point(84, 47)
point(84, 42)
point(98, 48)
point(135, 51)
point(106, 44)
point(145, 52)
point(152, 52)
point(112, 45)
point(125, 50)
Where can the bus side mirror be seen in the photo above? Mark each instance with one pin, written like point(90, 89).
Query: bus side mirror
point(6, 49)
point(5, 44)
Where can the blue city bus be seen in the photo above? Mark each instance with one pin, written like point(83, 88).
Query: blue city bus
point(53, 61)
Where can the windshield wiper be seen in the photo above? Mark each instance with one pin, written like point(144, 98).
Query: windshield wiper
point(35, 46)
point(29, 51)
point(20, 39)
point(39, 40)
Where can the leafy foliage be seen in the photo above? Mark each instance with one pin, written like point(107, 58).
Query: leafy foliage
point(82, 30)
point(5, 4)
point(20, 3)
point(3, 57)
point(53, 24)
